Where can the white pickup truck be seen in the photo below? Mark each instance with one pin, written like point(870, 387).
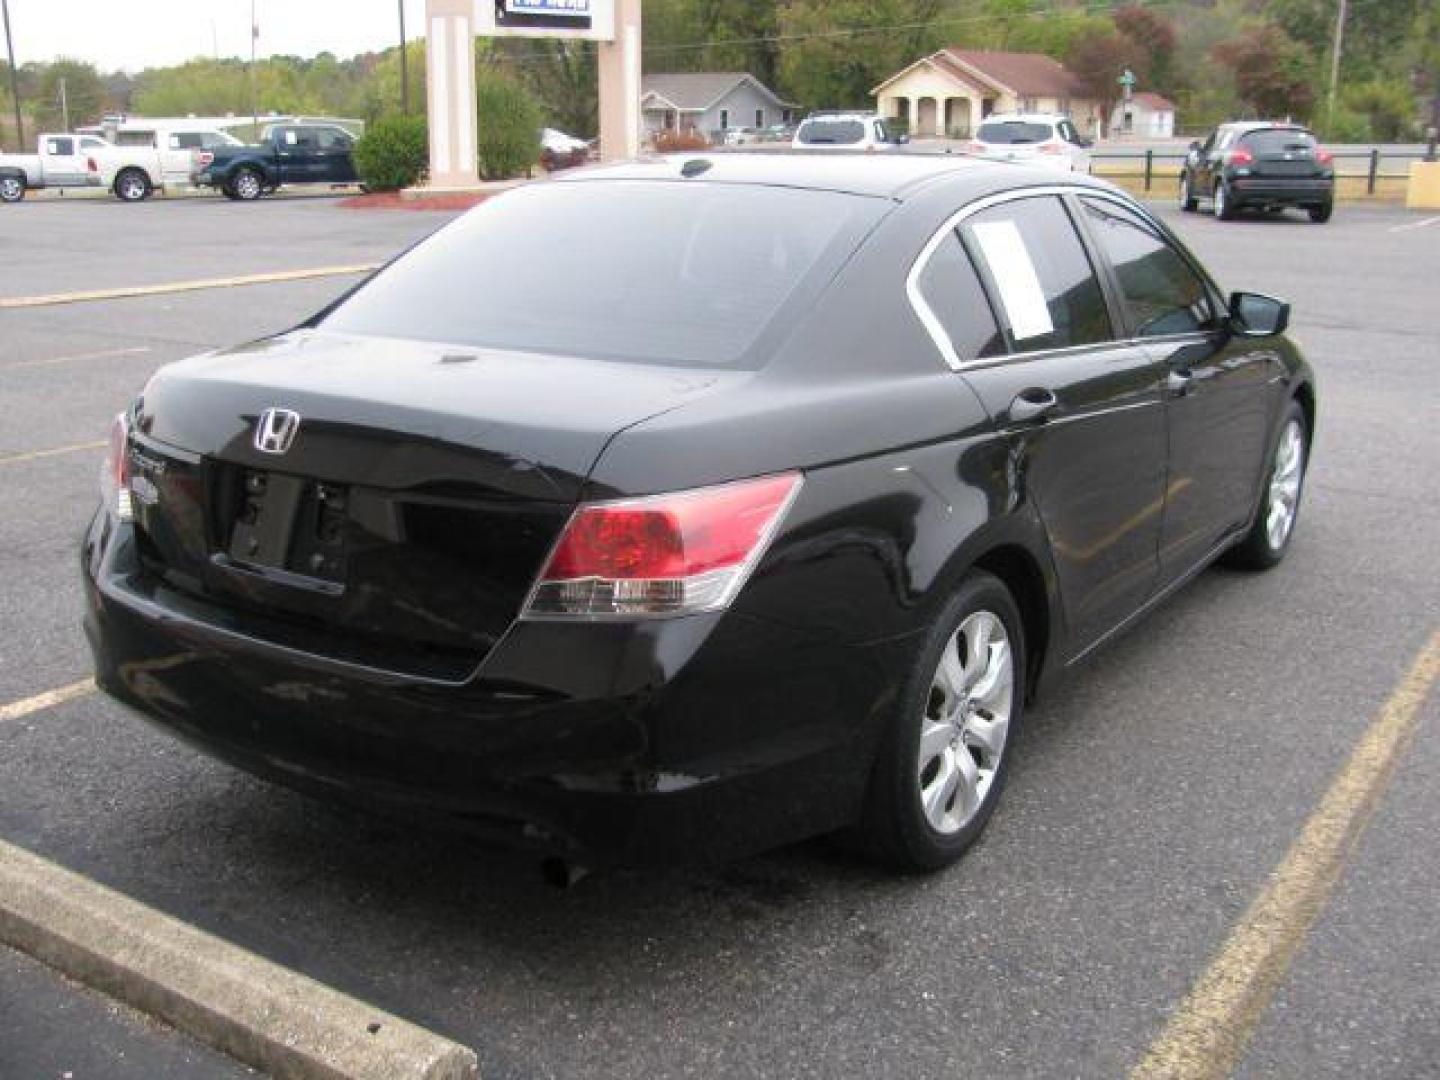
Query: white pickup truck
point(152, 156)
point(60, 161)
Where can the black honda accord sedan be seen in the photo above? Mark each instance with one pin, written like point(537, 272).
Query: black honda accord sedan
point(683, 508)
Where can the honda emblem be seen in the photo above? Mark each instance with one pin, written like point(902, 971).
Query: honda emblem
point(275, 430)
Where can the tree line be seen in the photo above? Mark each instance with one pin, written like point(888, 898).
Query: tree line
point(1216, 59)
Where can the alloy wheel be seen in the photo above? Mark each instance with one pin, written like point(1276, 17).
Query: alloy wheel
point(247, 185)
point(132, 188)
point(1285, 477)
point(966, 721)
point(11, 189)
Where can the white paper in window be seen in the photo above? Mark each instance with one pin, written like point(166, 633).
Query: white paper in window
point(1009, 261)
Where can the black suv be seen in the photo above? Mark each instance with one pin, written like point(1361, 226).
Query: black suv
point(1259, 164)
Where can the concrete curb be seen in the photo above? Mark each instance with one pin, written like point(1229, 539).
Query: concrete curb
point(264, 1015)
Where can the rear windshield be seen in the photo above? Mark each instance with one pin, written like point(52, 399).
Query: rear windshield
point(1013, 131)
point(1280, 141)
point(676, 273)
point(831, 132)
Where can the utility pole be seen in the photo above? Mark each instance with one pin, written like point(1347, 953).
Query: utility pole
point(254, 100)
point(64, 106)
point(404, 65)
point(14, 78)
point(1335, 62)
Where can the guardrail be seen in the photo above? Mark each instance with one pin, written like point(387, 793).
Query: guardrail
point(1167, 163)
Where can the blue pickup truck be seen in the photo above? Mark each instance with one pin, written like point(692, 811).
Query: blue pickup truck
point(286, 154)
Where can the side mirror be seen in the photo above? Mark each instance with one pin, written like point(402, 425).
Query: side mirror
point(1195, 145)
point(1086, 144)
point(1258, 315)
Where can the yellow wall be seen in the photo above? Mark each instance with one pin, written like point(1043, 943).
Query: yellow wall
point(926, 82)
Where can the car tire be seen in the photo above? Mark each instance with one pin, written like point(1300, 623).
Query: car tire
point(247, 184)
point(229, 193)
point(132, 185)
point(1225, 208)
point(943, 756)
point(1321, 214)
point(1188, 202)
point(12, 189)
point(1269, 537)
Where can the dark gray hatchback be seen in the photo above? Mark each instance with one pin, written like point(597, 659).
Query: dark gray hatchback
point(1259, 165)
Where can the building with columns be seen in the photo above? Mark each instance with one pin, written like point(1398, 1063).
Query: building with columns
point(948, 93)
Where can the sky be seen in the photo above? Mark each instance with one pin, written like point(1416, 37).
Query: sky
point(148, 33)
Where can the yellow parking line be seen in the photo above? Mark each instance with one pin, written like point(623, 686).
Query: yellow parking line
point(48, 700)
point(1208, 1032)
point(104, 354)
point(183, 286)
point(33, 455)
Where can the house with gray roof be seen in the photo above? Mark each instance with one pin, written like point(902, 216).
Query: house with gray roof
point(710, 102)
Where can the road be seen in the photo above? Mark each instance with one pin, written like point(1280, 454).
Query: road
point(1152, 794)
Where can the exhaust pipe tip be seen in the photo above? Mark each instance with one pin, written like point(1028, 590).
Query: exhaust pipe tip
point(562, 873)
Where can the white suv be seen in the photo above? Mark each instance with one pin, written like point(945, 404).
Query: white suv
point(1035, 138)
point(846, 131)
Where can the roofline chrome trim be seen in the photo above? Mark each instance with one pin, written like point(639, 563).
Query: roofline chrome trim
point(931, 321)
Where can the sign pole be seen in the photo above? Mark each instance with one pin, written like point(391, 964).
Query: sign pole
point(618, 62)
point(14, 78)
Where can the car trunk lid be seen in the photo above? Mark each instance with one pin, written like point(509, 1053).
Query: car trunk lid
point(405, 521)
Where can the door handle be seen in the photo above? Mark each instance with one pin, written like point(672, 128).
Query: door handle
point(1178, 382)
point(1032, 405)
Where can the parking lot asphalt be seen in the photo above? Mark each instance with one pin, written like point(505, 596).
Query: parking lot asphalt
point(1153, 790)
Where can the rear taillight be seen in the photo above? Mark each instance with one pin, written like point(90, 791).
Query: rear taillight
point(1323, 156)
point(1240, 156)
point(662, 555)
point(90, 164)
point(1051, 147)
point(115, 473)
point(973, 147)
point(204, 158)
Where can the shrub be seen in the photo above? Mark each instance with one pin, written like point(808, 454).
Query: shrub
point(669, 142)
point(393, 153)
point(509, 122)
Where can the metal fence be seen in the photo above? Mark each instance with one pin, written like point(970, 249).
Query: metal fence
point(1374, 164)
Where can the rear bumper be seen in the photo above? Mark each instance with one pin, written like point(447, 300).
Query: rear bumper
point(655, 742)
point(1279, 191)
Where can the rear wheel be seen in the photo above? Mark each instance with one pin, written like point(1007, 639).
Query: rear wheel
point(247, 185)
point(1267, 541)
point(1188, 202)
point(1225, 207)
point(12, 189)
point(1322, 212)
point(942, 763)
point(132, 185)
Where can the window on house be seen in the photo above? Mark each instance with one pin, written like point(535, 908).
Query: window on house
point(724, 119)
point(759, 118)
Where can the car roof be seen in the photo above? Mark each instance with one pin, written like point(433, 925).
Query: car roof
point(890, 176)
point(1026, 118)
point(1261, 125)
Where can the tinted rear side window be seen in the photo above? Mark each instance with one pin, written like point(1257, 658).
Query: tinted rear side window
point(1042, 278)
point(1280, 141)
point(952, 290)
point(682, 273)
point(1013, 131)
point(1162, 294)
point(836, 132)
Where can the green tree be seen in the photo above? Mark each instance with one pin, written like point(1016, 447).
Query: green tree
point(83, 93)
point(1098, 57)
point(393, 153)
point(509, 120)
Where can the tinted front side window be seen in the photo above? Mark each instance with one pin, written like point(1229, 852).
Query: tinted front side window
point(837, 132)
point(1042, 277)
point(682, 273)
point(1162, 294)
point(953, 292)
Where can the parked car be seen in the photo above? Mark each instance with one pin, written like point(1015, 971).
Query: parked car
point(150, 156)
point(846, 131)
point(764, 512)
point(740, 136)
point(60, 161)
point(286, 154)
point(1259, 165)
point(1046, 139)
point(560, 151)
